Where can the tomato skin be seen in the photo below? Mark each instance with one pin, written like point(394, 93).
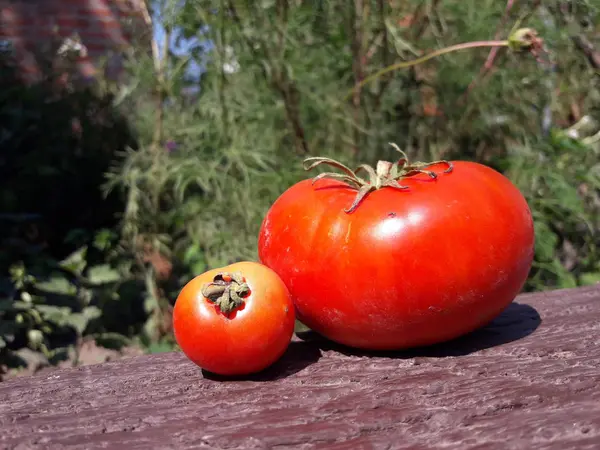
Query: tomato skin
point(247, 341)
point(406, 268)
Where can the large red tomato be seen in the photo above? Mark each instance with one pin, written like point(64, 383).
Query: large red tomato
point(423, 256)
point(236, 320)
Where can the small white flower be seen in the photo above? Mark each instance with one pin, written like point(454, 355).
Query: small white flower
point(72, 44)
point(232, 65)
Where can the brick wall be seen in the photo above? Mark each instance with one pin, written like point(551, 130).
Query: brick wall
point(102, 26)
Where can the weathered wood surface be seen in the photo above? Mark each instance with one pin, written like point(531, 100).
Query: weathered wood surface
point(530, 380)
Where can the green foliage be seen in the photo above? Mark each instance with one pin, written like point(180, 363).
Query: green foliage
point(273, 91)
point(562, 181)
point(49, 305)
point(199, 159)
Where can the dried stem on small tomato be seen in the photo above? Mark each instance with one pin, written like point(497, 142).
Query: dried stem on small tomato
point(227, 291)
point(385, 174)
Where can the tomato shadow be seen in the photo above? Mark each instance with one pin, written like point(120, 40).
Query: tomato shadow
point(298, 356)
point(516, 322)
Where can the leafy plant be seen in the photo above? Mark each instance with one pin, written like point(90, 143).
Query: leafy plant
point(199, 136)
point(282, 79)
point(49, 305)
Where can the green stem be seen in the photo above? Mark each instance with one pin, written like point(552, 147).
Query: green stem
point(422, 59)
point(386, 174)
point(519, 39)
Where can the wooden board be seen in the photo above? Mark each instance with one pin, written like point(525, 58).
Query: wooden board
point(530, 380)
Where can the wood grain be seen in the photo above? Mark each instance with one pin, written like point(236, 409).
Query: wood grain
point(529, 380)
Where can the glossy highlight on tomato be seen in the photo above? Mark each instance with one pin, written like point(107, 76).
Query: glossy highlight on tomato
point(432, 255)
point(236, 320)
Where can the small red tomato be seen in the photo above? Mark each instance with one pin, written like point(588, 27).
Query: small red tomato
point(236, 320)
point(406, 256)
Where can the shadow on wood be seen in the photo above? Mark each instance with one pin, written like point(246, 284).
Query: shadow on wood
point(298, 356)
point(514, 323)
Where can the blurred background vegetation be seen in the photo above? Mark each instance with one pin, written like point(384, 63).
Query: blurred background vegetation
point(113, 195)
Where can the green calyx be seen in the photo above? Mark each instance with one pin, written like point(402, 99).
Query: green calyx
point(386, 174)
point(227, 291)
point(524, 39)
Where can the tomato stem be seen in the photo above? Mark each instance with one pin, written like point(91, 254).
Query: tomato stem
point(386, 174)
point(519, 40)
point(227, 291)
